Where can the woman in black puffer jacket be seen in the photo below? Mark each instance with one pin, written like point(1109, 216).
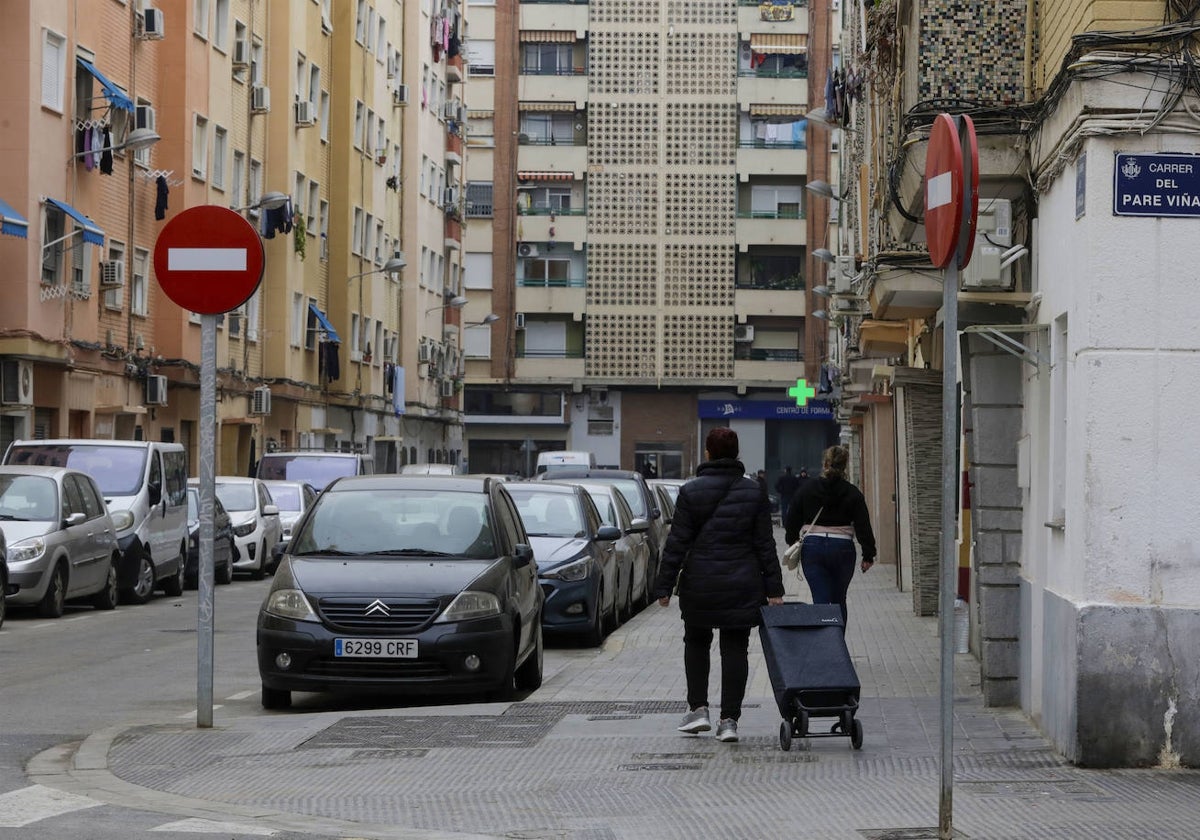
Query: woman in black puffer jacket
point(722, 540)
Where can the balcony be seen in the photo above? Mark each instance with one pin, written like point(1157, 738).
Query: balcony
point(755, 157)
point(751, 302)
point(566, 296)
point(550, 15)
point(454, 148)
point(454, 69)
point(901, 293)
point(770, 356)
point(539, 153)
point(572, 88)
point(566, 227)
point(770, 229)
point(550, 366)
point(454, 232)
point(773, 18)
point(775, 90)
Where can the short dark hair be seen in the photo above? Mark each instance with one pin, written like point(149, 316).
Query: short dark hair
point(722, 442)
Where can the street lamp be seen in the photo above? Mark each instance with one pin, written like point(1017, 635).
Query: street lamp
point(824, 255)
point(823, 189)
point(139, 138)
point(267, 201)
point(489, 318)
point(456, 302)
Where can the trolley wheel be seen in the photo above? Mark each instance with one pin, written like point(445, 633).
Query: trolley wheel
point(802, 724)
point(856, 734)
point(785, 735)
point(847, 721)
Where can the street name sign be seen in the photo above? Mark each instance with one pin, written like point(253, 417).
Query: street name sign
point(1166, 184)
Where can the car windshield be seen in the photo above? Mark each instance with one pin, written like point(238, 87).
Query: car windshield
point(237, 496)
point(193, 504)
point(604, 503)
point(118, 470)
point(285, 496)
point(318, 470)
point(27, 498)
point(548, 514)
point(400, 523)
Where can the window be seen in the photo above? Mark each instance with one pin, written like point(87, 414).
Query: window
point(142, 156)
point(81, 267)
point(381, 40)
point(200, 18)
point(355, 338)
point(360, 22)
point(298, 319)
point(84, 85)
point(477, 270)
point(199, 147)
point(310, 330)
point(547, 272)
point(368, 236)
point(324, 116)
point(481, 57)
point(239, 178)
point(552, 128)
point(424, 269)
point(368, 132)
point(547, 59)
point(479, 199)
point(312, 220)
point(775, 201)
point(359, 111)
point(221, 26)
point(357, 233)
point(423, 186)
point(314, 86)
point(53, 253)
point(369, 31)
point(116, 253)
point(253, 307)
point(324, 230)
point(379, 250)
point(239, 36)
point(477, 342)
point(553, 199)
point(377, 347)
point(256, 62)
point(236, 317)
point(220, 151)
point(256, 176)
point(301, 76)
point(138, 298)
point(381, 140)
point(54, 69)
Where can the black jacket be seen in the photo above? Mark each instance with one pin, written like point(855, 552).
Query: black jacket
point(840, 503)
point(721, 537)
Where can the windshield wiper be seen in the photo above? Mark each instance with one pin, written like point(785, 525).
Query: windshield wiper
point(328, 552)
point(414, 552)
point(8, 517)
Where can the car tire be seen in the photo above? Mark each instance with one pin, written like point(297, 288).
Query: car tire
point(226, 575)
point(55, 599)
point(529, 676)
point(143, 587)
point(106, 598)
point(276, 698)
point(594, 636)
point(173, 586)
point(260, 571)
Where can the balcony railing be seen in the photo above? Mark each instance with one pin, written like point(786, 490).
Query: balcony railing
point(769, 214)
point(551, 211)
point(772, 144)
point(553, 71)
point(530, 140)
point(797, 3)
point(746, 353)
point(770, 283)
point(555, 283)
point(562, 2)
point(786, 73)
point(550, 354)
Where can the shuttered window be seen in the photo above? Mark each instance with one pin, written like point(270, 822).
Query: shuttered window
point(54, 48)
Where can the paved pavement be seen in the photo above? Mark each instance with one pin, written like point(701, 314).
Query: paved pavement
point(593, 755)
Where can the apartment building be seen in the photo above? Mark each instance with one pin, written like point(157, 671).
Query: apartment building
point(1070, 368)
point(639, 236)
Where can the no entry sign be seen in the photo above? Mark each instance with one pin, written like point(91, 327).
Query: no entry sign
point(208, 259)
point(951, 190)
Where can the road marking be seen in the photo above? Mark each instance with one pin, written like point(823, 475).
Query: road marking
point(206, 259)
point(209, 827)
point(192, 713)
point(243, 695)
point(29, 805)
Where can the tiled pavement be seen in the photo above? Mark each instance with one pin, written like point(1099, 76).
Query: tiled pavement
point(593, 755)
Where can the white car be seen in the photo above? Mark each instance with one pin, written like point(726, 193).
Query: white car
point(255, 520)
point(292, 498)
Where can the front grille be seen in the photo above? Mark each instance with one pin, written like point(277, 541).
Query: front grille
point(398, 614)
point(378, 669)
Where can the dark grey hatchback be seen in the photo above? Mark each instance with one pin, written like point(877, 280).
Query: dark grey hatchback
point(405, 584)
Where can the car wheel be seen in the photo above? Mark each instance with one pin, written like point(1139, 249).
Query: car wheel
point(173, 586)
point(260, 571)
point(529, 675)
point(106, 598)
point(594, 637)
point(276, 698)
point(226, 575)
point(143, 587)
point(55, 599)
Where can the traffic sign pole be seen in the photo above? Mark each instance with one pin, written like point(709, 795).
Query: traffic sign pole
point(205, 605)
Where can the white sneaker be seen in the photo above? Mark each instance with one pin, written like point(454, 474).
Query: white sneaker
point(695, 721)
point(727, 730)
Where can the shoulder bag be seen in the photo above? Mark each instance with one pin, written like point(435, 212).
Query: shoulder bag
point(791, 555)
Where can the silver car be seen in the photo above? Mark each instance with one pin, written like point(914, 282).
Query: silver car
point(292, 498)
point(632, 549)
point(61, 541)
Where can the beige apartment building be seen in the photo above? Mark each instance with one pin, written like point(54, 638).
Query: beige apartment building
point(640, 228)
point(335, 134)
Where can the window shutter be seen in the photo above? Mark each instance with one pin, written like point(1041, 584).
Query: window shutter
point(52, 81)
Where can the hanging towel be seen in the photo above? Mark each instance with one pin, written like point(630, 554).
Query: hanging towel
point(106, 158)
point(97, 145)
point(160, 203)
point(87, 149)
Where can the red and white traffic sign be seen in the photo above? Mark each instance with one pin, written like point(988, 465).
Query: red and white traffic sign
point(208, 259)
point(943, 190)
point(970, 210)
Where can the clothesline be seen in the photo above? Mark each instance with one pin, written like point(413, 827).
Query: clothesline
point(97, 123)
point(166, 174)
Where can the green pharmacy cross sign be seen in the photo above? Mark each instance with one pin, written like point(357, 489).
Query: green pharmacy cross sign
point(802, 391)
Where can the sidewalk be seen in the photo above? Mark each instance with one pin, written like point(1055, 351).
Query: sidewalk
point(593, 755)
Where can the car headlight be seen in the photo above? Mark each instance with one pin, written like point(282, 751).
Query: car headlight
point(26, 550)
point(245, 529)
point(122, 520)
point(290, 603)
point(575, 570)
point(470, 605)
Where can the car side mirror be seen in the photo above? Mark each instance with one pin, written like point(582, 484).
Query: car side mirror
point(155, 492)
point(639, 526)
point(270, 510)
point(607, 533)
point(74, 519)
point(522, 555)
point(655, 513)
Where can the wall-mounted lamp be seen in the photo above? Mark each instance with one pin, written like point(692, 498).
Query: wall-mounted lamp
point(456, 302)
point(392, 266)
point(820, 314)
point(822, 291)
point(824, 255)
point(823, 189)
point(489, 318)
point(267, 201)
point(139, 138)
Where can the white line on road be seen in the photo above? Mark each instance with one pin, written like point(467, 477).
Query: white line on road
point(29, 805)
point(243, 695)
point(206, 259)
point(195, 826)
point(192, 713)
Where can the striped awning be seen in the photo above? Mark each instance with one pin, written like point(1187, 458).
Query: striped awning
point(775, 110)
point(548, 36)
point(546, 106)
point(792, 43)
point(12, 223)
point(480, 115)
point(545, 176)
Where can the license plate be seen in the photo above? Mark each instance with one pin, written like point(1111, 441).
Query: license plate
point(376, 648)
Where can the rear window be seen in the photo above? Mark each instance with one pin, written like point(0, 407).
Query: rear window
point(285, 496)
point(238, 496)
point(548, 514)
point(118, 470)
point(318, 470)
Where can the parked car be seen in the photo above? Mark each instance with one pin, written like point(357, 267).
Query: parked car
point(292, 498)
point(313, 466)
point(563, 459)
point(637, 493)
point(3, 579)
point(61, 541)
point(429, 469)
point(632, 548)
point(255, 518)
point(143, 484)
point(666, 499)
point(409, 584)
point(576, 558)
point(223, 550)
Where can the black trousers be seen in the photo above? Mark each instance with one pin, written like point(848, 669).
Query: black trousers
point(735, 666)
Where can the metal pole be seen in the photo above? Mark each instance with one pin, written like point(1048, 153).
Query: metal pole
point(204, 570)
point(949, 566)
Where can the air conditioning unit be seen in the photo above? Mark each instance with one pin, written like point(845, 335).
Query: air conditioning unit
point(112, 274)
point(400, 95)
point(145, 117)
point(993, 238)
point(450, 109)
point(153, 25)
point(260, 400)
point(241, 53)
point(446, 388)
point(424, 352)
point(156, 389)
point(743, 332)
point(525, 249)
point(305, 112)
point(260, 99)
point(520, 320)
point(16, 382)
point(450, 196)
point(843, 273)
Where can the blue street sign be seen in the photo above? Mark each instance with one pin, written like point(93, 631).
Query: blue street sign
point(765, 410)
point(1156, 185)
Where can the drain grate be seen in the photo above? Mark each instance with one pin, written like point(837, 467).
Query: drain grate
point(1039, 788)
point(774, 758)
point(684, 756)
point(380, 755)
point(904, 833)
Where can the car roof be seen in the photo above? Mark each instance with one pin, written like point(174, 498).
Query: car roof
point(587, 472)
point(132, 444)
point(279, 482)
point(561, 487)
point(395, 481)
point(45, 472)
point(227, 479)
point(315, 452)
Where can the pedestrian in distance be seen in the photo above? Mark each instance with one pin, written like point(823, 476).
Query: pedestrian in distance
point(786, 486)
point(720, 557)
point(761, 478)
point(831, 512)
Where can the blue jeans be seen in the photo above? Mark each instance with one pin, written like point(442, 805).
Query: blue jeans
point(828, 564)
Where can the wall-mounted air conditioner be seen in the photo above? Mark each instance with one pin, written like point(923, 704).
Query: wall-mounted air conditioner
point(153, 25)
point(450, 197)
point(424, 352)
point(305, 113)
point(260, 400)
point(520, 320)
point(843, 273)
point(989, 268)
point(446, 388)
point(260, 99)
point(241, 53)
point(524, 249)
point(16, 382)
point(743, 332)
point(144, 117)
point(400, 95)
point(112, 274)
point(156, 389)
point(450, 109)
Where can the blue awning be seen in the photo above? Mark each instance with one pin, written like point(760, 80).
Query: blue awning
point(330, 333)
point(12, 223)
point(116, 97)
point(91, 231)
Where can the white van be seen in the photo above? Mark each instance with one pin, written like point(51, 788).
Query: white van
point(144, 484)
point(314, 466)
point(550, 461)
